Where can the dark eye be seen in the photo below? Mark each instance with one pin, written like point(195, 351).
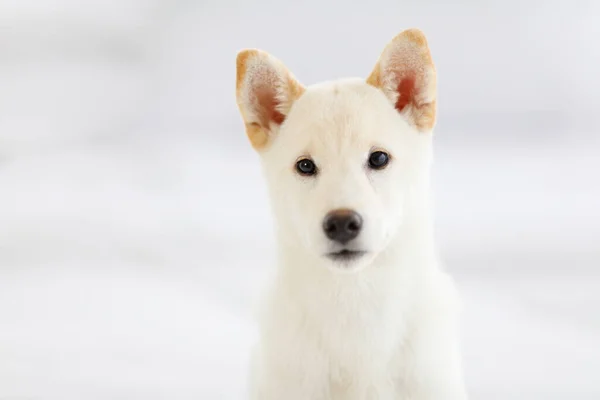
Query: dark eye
point(306, 167)
point(378, 159)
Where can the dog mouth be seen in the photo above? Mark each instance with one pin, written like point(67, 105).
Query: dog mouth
point(345, 256)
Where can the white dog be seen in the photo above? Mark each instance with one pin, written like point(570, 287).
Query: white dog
point(360, 308)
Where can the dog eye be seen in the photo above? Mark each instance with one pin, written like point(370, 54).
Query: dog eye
point(306, 167)
point(378, 160)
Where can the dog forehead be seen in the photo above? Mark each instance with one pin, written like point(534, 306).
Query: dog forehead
point(340, 110)
point(341, 99)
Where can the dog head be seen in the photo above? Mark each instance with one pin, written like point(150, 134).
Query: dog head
point(343, 158)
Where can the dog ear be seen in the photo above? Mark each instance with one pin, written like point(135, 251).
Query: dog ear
point(406, 74)
point(265, 92)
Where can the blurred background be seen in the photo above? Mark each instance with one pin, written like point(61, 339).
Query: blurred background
point(135, 233)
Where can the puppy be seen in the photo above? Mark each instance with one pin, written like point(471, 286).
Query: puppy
point(360, 308)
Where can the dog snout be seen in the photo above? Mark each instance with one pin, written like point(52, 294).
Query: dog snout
point(342, 225)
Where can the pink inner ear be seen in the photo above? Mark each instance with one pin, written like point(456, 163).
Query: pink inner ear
point(267, 107)
point(406, 89)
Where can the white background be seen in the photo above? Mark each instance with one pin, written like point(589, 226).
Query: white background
point(135, 233)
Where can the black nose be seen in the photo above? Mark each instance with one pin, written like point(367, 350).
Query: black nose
point(342, 225)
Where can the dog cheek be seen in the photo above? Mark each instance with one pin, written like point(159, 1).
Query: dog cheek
point(391, 208)
point(286, 208)
point(299, 214)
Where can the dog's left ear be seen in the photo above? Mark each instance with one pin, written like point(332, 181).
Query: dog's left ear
point(266, 91)
point(406, 74)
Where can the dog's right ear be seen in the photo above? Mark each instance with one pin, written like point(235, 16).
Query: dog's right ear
point(265, 92)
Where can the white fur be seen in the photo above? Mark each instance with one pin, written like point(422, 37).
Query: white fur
point(382, 327)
